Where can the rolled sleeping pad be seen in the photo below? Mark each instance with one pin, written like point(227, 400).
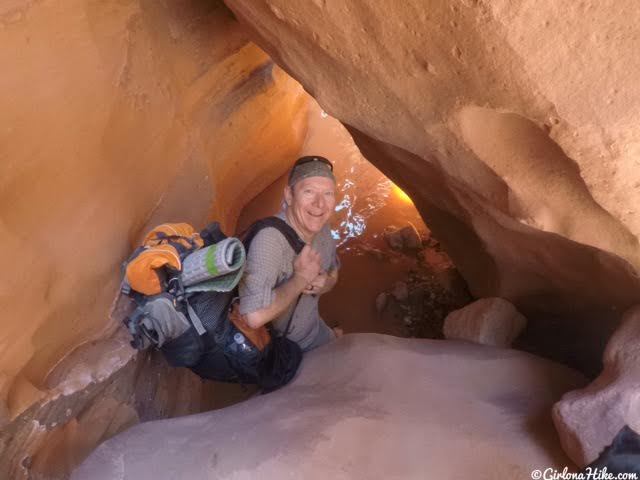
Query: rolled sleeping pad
point(217, 267)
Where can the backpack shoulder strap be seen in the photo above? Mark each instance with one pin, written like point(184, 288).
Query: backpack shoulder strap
point(283, 227)
point(292, 237)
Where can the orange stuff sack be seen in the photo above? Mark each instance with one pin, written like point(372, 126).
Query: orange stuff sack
point(164, 246)
point(141, 271)
point(176, 234)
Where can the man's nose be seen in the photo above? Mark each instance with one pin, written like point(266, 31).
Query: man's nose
point(318, 200)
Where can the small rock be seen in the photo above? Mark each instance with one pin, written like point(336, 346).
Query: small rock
point(381, 302)
point(411, 237)
point(393, 237)
point(400, 291)
point(488, 321)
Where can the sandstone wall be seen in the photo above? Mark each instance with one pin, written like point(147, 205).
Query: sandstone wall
point(114, 115)
point(512, 125)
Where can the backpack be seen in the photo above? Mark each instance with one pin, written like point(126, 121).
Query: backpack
point(189, 311)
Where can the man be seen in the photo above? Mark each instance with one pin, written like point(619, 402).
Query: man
point(275, 277)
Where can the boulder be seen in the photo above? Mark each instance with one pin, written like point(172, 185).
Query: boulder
point(404, 237)
point(588, 420)
point(365, 406)
point(488, 321)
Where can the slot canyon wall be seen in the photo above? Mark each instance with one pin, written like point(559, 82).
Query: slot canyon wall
point(114, 116)
point(513, 125)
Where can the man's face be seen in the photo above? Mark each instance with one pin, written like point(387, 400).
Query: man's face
point(311, 203)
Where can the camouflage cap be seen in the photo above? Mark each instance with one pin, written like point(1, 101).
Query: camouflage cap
point(310, 166)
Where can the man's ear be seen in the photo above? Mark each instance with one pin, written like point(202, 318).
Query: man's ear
point(288, 194)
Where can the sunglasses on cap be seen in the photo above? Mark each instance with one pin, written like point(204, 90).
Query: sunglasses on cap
point(307, 160)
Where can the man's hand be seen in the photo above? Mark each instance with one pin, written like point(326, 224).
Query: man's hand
point(307, 264)
point(322, 283)
point(306, 268)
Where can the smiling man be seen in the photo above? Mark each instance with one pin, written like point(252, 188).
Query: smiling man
point(275, 277)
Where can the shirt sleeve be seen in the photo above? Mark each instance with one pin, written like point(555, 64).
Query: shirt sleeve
point(262, 269)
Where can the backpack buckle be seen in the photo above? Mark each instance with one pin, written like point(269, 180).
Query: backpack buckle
point(176, 289)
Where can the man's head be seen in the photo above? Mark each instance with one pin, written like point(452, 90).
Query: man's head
point(310, 194)
point(310, 166)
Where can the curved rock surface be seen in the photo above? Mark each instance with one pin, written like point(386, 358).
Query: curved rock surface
point(366, 406)
point(116, 115)
point(513, 126)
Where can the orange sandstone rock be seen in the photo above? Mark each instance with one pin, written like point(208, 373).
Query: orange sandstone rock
point(514, 128)
point(115, 116)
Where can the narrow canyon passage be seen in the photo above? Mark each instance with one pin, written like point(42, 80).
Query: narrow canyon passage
point(494, 338)
point(368, 204)
point(343, 390)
